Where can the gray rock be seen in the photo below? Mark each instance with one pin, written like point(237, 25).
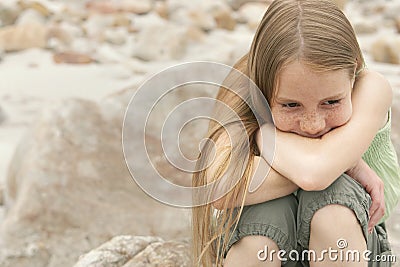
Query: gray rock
point(138, 251)
point(116, 252)
point(171, 253)
point(68, 189)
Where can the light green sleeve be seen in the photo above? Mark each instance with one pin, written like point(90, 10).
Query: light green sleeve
point(381, 157)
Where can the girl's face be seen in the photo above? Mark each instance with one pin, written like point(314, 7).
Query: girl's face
point(311, 103)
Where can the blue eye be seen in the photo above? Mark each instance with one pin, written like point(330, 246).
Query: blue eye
point(290, 105)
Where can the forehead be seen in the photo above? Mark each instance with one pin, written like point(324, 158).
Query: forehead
point(298, 80)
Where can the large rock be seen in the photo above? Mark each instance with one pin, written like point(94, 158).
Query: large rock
point(130, 251)
point(386, 50)
point(68, 189)
point(155, 42)
point(20, 37)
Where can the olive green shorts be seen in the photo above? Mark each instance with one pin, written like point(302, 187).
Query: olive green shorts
point(287, 220)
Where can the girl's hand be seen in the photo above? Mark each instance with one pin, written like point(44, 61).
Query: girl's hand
point(375, 188)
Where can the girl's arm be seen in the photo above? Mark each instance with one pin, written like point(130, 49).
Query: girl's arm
point(272, 184)
point(313, 164)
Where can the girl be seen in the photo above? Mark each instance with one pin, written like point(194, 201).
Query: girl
point(327, 109)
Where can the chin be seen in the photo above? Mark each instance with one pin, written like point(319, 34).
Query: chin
point(315, 136)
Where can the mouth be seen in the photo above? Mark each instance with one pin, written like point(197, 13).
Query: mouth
point(315, 136)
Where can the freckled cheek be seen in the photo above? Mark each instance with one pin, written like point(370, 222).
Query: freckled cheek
point(338, 117)
point(285, 122)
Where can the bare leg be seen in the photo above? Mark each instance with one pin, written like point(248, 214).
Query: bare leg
point(246, 252)
point(330, 224)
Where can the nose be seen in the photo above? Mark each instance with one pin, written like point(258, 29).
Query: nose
point(312, 124)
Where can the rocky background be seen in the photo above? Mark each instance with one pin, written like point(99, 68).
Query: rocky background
point(68, 69)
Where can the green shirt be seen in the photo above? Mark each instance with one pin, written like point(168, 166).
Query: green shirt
point(381, 157)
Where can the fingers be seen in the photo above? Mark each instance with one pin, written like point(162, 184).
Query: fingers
point(377, 209)
point(375, 217)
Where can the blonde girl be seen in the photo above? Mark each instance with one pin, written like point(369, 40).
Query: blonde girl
point(332, 139)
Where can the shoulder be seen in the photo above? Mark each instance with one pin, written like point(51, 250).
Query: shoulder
point(377, 83)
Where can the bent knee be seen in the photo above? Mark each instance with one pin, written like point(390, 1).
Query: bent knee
point(252, 250)
point(334, 216)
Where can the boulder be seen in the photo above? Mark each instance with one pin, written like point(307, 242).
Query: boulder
point(129, 251)
point(20, 37)
point(155, 42)
point(68, 188)
point(386, 49)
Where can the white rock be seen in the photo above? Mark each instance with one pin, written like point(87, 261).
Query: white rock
point(116, 36)
point(155, 43)
point(20, 37)
point(252, 13)
point(30, 16)
point(95, 25)
point(191, 17)
point(220, 46)
point(105, 53)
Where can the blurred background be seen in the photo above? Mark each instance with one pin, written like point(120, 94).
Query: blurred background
point(68, 69)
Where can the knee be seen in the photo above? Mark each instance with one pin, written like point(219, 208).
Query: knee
point(334, 216)
point(253, 251)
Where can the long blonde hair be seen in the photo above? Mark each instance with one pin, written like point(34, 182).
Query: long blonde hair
point(313, 31)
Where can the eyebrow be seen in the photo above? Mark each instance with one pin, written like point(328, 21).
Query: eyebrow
point(337, 96)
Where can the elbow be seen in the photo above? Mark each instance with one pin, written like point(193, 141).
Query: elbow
point(312, 181)
point(313, 186)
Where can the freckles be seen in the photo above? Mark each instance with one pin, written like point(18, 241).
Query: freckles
point(338, 117)
point(285, 122)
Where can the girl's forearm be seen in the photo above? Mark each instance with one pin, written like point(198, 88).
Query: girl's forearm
point(269, 185)
point(314, 164)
